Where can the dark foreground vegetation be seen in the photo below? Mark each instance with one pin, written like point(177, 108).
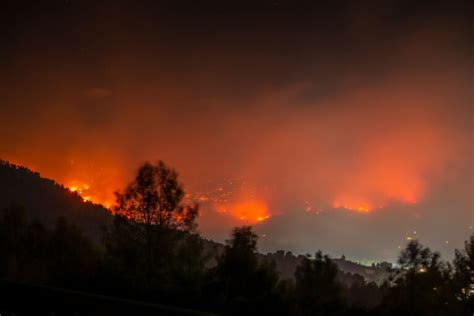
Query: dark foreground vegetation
point(151, 258)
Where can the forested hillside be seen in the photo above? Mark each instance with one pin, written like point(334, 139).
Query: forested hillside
point(46, 200)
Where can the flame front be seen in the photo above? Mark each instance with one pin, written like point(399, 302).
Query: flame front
point(358, 206)
point(251, 211)
point(86, 193)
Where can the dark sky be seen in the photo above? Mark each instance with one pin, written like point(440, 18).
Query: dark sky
point(334, 125)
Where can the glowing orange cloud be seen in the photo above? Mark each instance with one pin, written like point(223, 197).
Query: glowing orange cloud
point(360, 150)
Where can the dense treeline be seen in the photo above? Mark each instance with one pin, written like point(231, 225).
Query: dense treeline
point(238, 284)
point(152, 253)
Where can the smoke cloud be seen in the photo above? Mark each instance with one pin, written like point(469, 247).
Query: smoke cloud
point(346, 138)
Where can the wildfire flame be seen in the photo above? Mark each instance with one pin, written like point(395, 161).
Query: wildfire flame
point(363, 206)
point(84, 191)
point(358, 206)
point(248, 210)
point(252, 211)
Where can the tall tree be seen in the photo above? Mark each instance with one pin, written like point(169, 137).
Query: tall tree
point(154, 198)
point(416, 258)
point(151, 212)
point(421, 284)
point(242, 283)
point(317, 289)
point(464, 273)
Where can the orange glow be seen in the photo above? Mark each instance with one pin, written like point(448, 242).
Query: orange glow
point(78, 188)
point(396, 154)
point(86, 193)
point(361, 207)
point(366, 204)
point(252, 211)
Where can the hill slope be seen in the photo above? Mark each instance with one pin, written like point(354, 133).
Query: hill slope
point(286, 264)
point(46, 200)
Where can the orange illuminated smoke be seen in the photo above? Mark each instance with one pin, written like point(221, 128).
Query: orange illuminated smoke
point(252, 211)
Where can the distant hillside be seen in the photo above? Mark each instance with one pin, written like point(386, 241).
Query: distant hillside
point(46, 200)
point(286, 263)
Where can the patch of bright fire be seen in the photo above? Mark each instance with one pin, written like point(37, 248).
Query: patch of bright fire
point(361, 206)
point(83, 190)
point(252, 211)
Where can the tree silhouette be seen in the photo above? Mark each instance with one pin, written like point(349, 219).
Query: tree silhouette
point(154, 199)
point(464, 274)
point(416, 258)
point(317, 290)
point(240, 282)
point(422, 284)
point(360, 294)
point(152, 203)
point(31, 253)
point(74, 258)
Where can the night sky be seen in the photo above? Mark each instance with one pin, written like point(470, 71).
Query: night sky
point(334, 125)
